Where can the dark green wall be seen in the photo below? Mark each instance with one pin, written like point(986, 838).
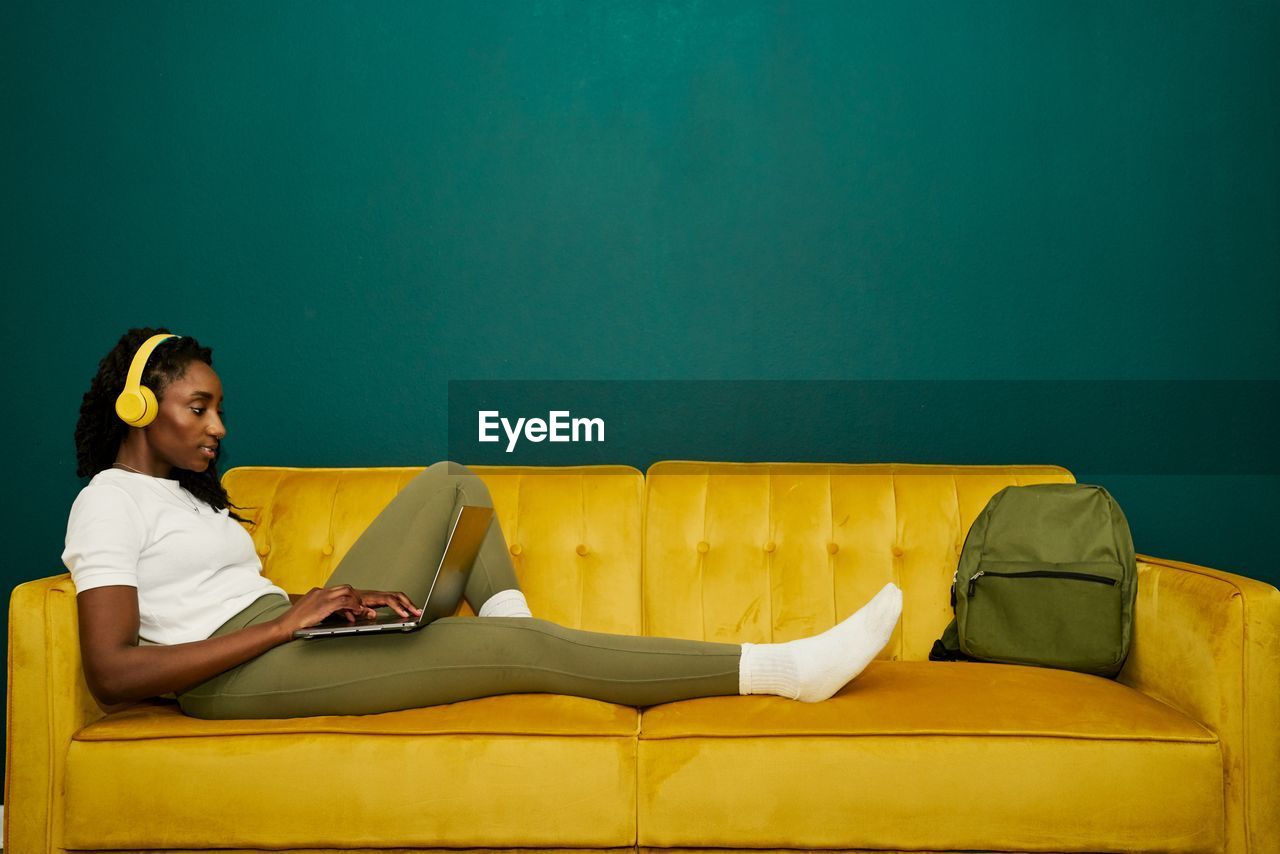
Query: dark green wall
point(354, 203)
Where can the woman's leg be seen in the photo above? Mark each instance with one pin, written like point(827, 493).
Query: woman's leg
point(459, 658)
point(402, 546)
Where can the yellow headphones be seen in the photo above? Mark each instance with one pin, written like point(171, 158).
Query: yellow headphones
point(137, 405)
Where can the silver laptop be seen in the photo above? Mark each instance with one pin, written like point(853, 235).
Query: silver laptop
point(450, 581)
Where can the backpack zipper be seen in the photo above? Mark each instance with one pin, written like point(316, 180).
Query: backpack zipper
point(973, 580)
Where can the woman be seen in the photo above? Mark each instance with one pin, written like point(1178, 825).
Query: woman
point(172, 600)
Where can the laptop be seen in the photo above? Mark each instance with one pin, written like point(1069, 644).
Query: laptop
point(446, 590)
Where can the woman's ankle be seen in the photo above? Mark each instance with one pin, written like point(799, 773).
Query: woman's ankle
point(505, 603)
point(812, 669)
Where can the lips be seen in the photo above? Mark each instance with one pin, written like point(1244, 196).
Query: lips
point(209, 452)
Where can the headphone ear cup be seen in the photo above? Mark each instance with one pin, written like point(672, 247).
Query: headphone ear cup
point(137, 408)
point(150, 407)
point(130, 406)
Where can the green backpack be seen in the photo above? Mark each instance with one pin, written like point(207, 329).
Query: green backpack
point(1047, 577)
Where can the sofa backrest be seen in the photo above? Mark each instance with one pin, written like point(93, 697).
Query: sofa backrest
point(770, 552)
point(729, 552)
point(574, 533)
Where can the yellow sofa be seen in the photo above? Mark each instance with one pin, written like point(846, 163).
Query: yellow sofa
point(1179, 754)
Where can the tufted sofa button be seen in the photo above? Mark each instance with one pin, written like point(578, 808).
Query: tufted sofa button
point(515, 549)
point(832, 548)
point(263, 549)
point(582, 549)
point(328, 549)
point(897, 551)
point(703, 547)
point(769, 546)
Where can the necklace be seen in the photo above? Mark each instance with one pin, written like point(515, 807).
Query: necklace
point(187, 500)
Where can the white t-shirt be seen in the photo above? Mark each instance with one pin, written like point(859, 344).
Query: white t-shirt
point(194, 567)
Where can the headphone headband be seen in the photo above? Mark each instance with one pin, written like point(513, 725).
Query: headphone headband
point(137, 405)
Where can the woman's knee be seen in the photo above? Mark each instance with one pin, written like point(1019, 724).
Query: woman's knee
point(469, 484)
point(450, 467)
point(462, 478)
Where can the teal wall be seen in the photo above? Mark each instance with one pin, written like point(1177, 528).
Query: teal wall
point(354, 203)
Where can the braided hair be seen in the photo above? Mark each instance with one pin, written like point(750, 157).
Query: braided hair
point(100, 431)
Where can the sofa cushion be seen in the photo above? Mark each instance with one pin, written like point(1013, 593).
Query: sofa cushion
point(431, 777)
point(934, 755)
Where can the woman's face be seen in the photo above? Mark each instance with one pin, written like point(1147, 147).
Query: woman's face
point(189, 420)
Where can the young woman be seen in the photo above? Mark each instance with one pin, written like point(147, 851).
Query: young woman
point(172, 600)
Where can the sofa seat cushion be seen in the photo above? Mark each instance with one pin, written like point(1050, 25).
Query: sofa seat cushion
point(438, 777)
point(938, 756)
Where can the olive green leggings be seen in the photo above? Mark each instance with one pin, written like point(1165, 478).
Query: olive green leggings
point(454, 658)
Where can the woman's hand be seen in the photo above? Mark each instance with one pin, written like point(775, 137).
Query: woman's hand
point(321, 602)
point(398, 602)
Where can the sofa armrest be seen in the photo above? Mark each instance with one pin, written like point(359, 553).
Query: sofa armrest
point(48, 702)
point(1207, 642)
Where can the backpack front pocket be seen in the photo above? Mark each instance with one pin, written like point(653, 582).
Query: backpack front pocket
point(1048, 614)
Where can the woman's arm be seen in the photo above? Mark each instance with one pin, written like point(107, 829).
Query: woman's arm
point(118, 671)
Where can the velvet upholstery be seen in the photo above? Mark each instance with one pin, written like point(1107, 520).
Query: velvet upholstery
point(1179, 753)
point(898, 745)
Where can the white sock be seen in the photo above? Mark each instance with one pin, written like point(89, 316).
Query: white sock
point(812, 669)
point(505, 603)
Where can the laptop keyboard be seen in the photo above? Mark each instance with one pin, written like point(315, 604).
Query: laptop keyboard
point(341, 620)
